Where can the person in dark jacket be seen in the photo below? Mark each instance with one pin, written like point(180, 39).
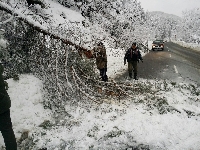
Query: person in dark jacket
point(101, 60)
point(5, 120)
point(133, 56)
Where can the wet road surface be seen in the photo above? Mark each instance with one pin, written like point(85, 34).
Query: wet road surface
point(175, 63)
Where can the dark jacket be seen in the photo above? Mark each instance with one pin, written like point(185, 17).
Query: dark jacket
point(5, 102)
point(132, 55)
point(101, 57)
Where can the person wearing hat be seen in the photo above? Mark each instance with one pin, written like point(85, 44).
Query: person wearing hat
point(101, 60)
point(133, 56)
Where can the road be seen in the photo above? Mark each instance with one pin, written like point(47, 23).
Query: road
point(175, 63)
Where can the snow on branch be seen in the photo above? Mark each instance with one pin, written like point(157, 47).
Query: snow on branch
point(37, 26)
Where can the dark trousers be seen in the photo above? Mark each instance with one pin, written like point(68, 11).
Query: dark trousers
point(7, 131)
point(103, 75)
point(132, 66)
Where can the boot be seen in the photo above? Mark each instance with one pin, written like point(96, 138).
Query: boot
point(130, 75)
point(105, 78)
point(135, 76)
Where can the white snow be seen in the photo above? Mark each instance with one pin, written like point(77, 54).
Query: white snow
point(193, 46)
point(166, 131)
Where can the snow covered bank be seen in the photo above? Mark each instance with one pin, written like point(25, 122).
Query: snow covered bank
point(27, 110)
point(113, 124)
point(188, 45)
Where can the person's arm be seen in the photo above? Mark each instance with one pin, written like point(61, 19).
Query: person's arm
point(140, 56)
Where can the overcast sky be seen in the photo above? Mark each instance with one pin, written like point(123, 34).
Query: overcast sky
point(170, 6)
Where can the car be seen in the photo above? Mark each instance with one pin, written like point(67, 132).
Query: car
point(158, 45)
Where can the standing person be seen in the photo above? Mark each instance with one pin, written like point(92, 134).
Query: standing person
point(101, 60)
point(5, 120)
point(133, 56)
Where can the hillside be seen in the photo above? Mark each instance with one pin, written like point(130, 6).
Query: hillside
point(61, 104)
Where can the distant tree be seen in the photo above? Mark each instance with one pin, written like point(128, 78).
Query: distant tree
point(163, 25)
point(190, 25)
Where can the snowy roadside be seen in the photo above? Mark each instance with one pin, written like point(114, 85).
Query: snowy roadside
point(113, 124)
point(127, 123)
point(116, 61)
point(27, 110)
point(193, 46)
point(165, 116)
point(116, 58)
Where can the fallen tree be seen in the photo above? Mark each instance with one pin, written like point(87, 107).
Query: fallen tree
point(41, 29)
point(65, 75)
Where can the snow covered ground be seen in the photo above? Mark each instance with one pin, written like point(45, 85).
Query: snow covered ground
point(114, 124)
point(193, 46)
point(166, 116)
